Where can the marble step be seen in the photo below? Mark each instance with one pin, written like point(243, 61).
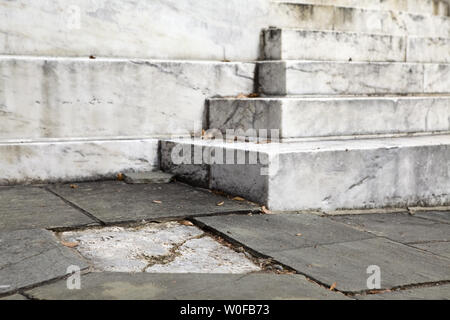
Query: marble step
point(56, 160)
point(330, 17)
point(297, 44)
point(43, 97)
point(329, 77)
point(300, 117)
point(435, 7)
point(315, 175)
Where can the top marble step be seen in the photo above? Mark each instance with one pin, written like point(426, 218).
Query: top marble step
point(435, 7)
point(330, 17)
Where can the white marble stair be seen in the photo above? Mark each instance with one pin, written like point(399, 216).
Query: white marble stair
point(325, 175)
point(434, 7)
point(315, 116)
point(332, 17)
point(298, 44)
point(291, 77)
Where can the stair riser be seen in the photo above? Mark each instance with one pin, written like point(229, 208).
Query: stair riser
point(303, 77)
point(68, 98)
point(316, 17)
point(74, 160)
point(372, 175)
point(290, 44)
point(414, 6)
point(299, 118)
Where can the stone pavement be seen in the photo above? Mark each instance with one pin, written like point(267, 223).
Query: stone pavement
point(319, 256)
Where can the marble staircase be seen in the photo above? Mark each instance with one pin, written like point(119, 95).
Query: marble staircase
point(353, 112)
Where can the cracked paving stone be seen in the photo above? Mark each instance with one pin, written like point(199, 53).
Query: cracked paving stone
point(438, 292)
point(125, 286)
point(346, 264)
point(118, 202)
point(271, 233)
point(29, 257)
point(442, 216)
point(440, 248)
point(399, 227)
point(158, 248)
point(31, 207)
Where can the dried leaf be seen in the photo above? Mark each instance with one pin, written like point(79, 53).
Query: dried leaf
point(120, 176)
point(241, 96)
point(157, 201)
point(265, 210)
point(69, 244)
point(186, 223)
point(298, 234)
point(333, 286)
point(253, 95)
point(238, 199)
point(220, 203)
point(92, 57)
point(73, 186)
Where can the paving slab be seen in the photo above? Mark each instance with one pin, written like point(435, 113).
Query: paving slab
point(14, 297)
point(24, 207)
point(117, 202)
point(346, 264)
point(271, 233)
point(126, 286)
point(29, 257)
point(440, 248)
point(148, 177)
point(438, 292)
point(399, 227)
point(442, 216)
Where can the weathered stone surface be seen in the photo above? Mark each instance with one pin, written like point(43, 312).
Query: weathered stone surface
point(14, 297)
point(158, 248)
point(170, 29)
point(297, 44)
point(32, 207)
point(44, 97)
point(289, 14)
point(437, 292)
point(399, 227)
point(116, 201)
point(272, 233)
point(329, 77)
point(440, 248)
point(190, 286)
point(334, 174)
point(346, 264)
point(428, 50)
point(54, 161)
point(298, 117)
point(148, 177)
point(442, 216)
point(29, 257)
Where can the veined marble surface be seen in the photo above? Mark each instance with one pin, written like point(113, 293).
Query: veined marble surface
point(300, 117)
point(337, 174)
point(331, 17)
point(72, 98)
point(156, 29)
point(54, 161)
point(324, 77)
point(428, 50)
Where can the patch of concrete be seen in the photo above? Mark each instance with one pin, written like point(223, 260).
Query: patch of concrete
point(148, 177)
point(169, 247)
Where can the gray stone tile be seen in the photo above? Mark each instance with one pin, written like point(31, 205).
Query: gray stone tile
point(346, 264)
point(125, 286)
point(117, 201)
point(440, 248)
point(29, 257)
point(148, 177)
point(438, 292)
point(14, 297)
point(272, 233)
point(399, 227)
point(442, 216)
point(31, 207)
